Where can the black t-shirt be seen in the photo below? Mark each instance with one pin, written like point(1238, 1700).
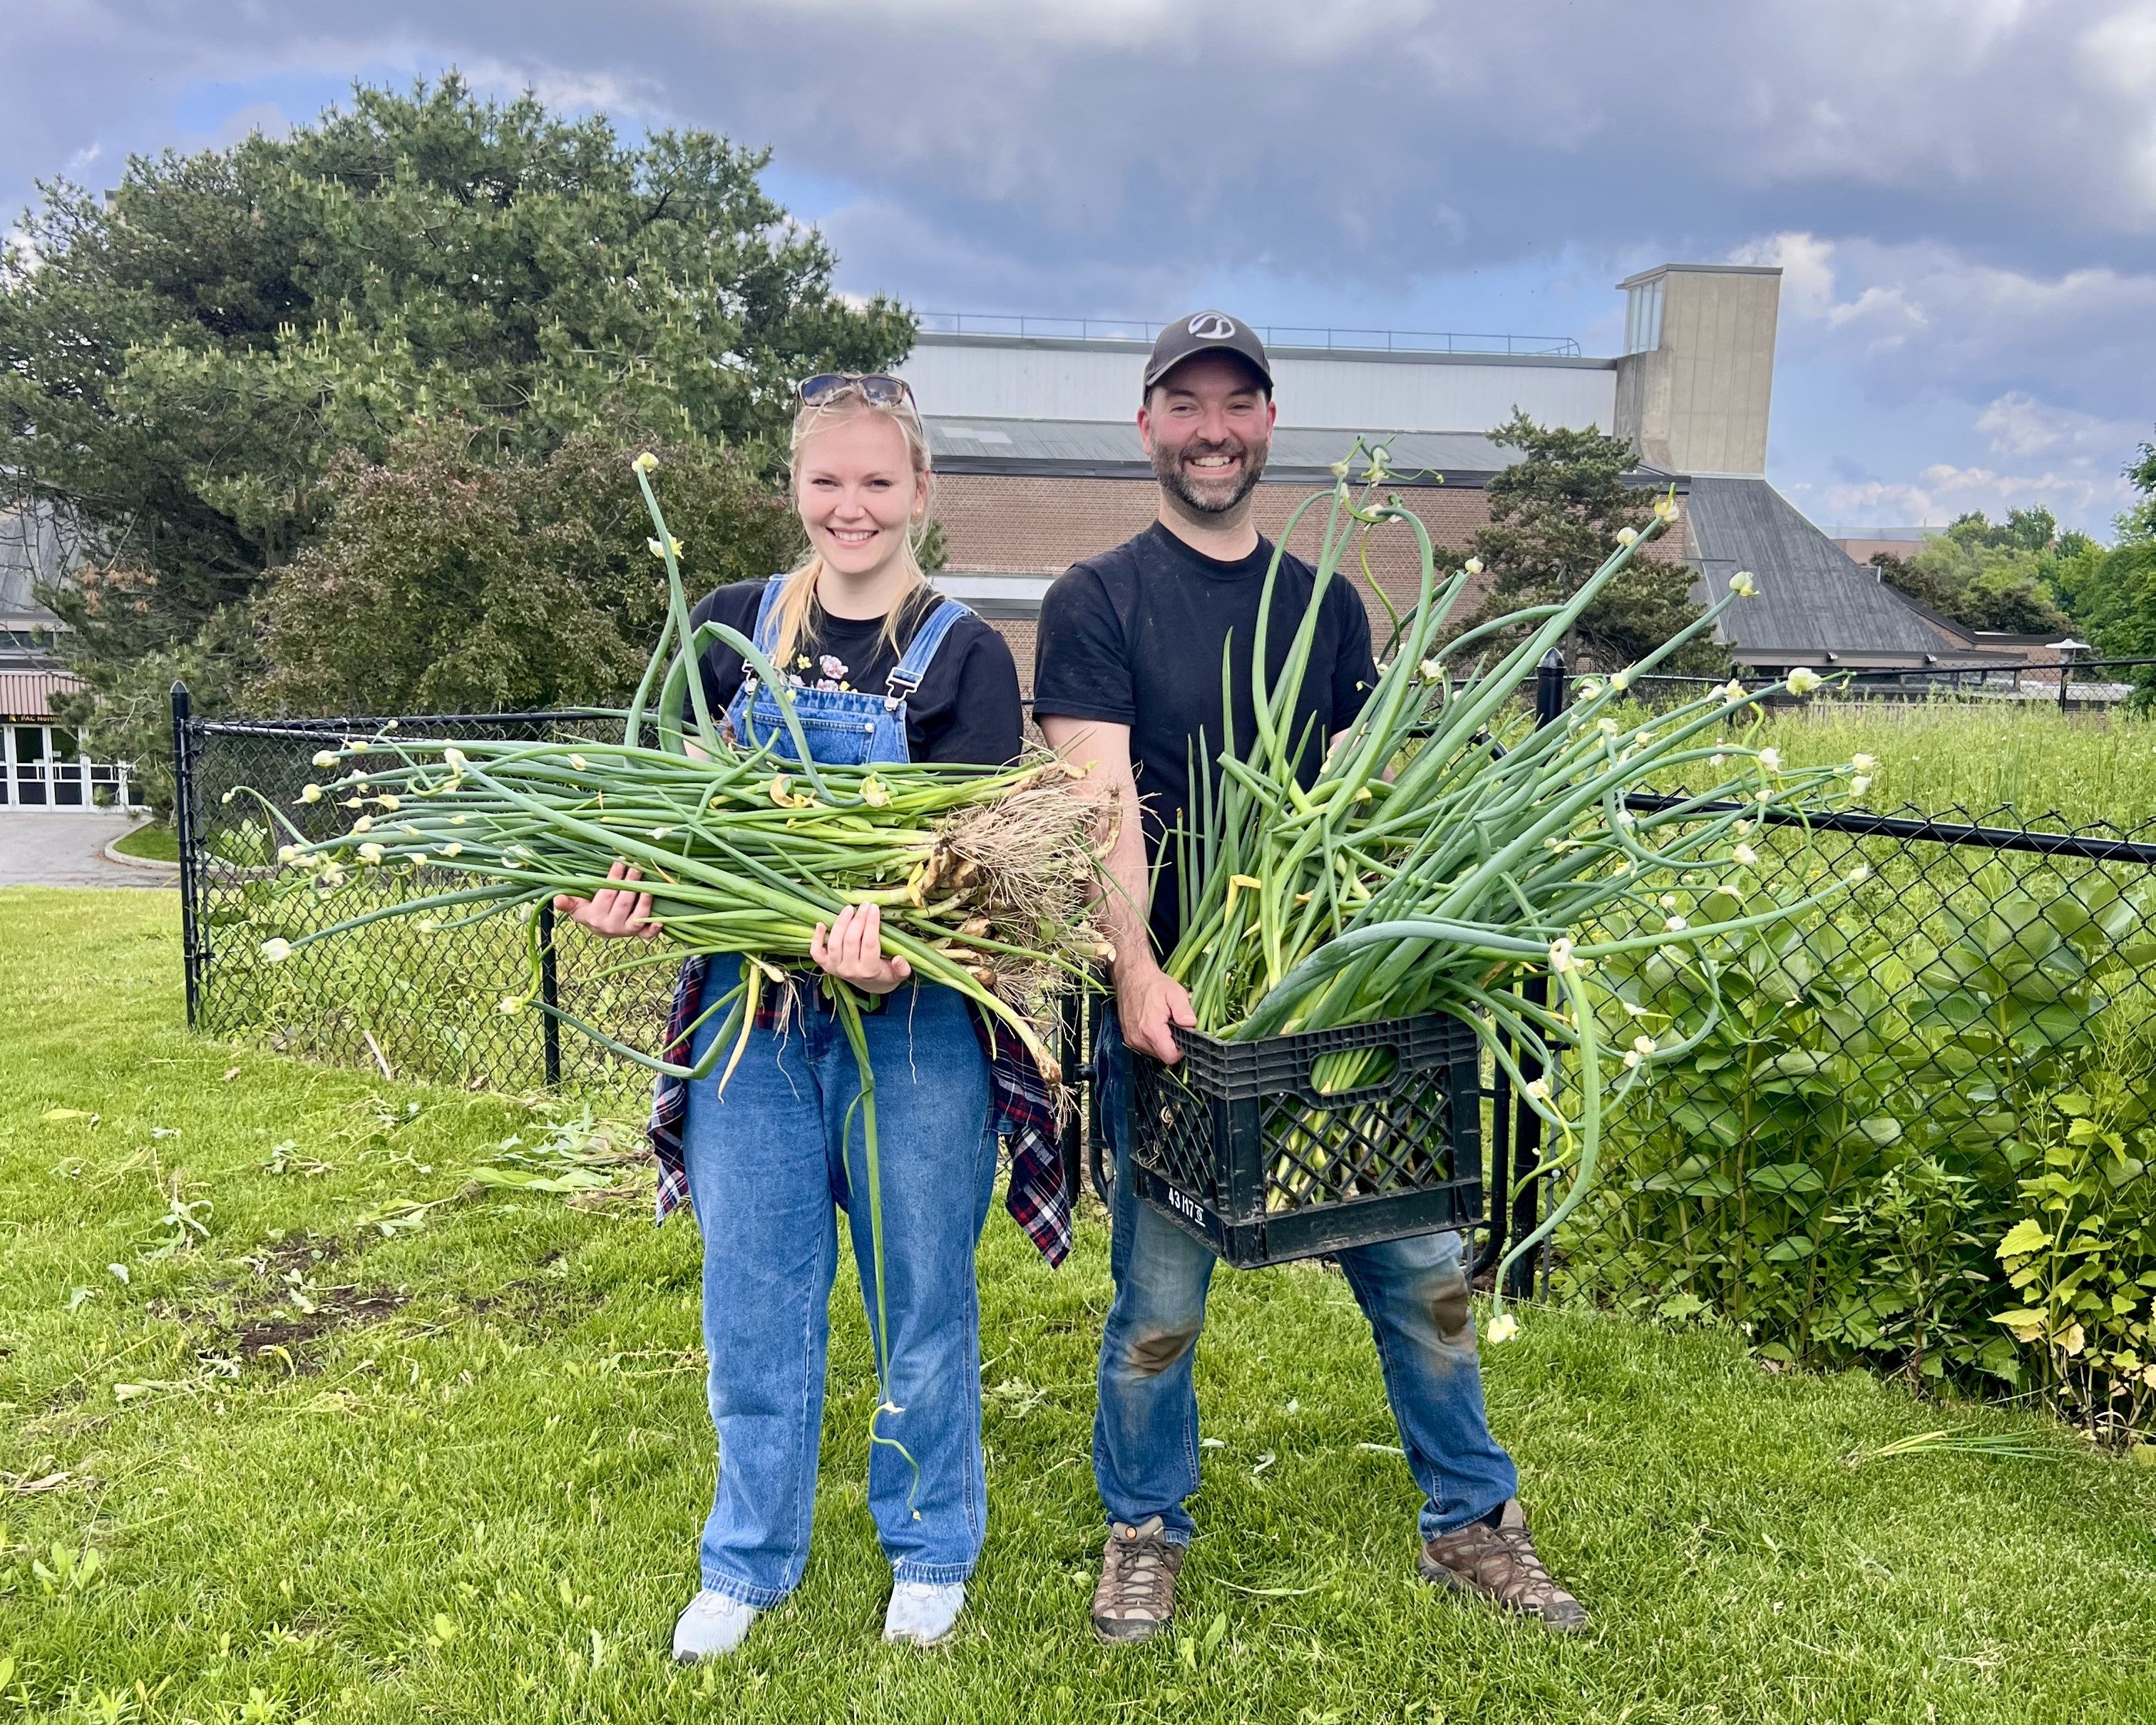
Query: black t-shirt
point(966, 709)
point(1134, 636)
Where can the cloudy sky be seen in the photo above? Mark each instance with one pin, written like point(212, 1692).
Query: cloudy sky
point(1962, 193)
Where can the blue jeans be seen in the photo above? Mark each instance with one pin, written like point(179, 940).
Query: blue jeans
point(1414, 1291)
point(766, 1168)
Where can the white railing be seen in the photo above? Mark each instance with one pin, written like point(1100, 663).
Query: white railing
point(1130, 329)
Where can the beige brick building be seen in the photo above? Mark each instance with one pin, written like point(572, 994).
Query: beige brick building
point(1006, 536)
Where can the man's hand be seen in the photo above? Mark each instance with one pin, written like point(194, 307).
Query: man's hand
point(612, 910)
point(1148, 1001)
point(853, 951)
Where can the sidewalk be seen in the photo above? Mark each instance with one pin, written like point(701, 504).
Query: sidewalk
point(43, 849)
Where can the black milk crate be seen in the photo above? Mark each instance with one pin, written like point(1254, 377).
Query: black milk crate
point(1238, 1145)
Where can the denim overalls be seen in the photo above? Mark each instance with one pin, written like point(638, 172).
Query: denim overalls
point(768, 1163)
point(844, 727)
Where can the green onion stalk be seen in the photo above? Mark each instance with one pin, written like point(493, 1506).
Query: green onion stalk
point(1446, 847)
point(982, 877)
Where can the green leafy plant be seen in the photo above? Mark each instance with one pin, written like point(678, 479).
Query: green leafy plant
point(1833, 1164)
point(2083, 1266)
point(72, 1569)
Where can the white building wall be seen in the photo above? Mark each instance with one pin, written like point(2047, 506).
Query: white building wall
point(983, 378)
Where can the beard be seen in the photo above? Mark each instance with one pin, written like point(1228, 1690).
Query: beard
point(1209, 500)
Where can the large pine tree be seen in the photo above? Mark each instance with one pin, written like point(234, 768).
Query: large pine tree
point(183, 360)
point(1555, 515)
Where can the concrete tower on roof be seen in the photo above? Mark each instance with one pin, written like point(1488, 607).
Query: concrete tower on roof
point(1697, 376)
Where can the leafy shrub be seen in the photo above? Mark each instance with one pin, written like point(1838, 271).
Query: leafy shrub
point(1913, 1136)
point(449, 580)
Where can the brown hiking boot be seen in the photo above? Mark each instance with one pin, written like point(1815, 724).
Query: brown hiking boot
point(1136, 1594)
point(1500, 1564)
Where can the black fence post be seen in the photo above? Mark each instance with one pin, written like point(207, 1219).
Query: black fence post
point(1527, 1124)
point(183, 829)
point(550, 996)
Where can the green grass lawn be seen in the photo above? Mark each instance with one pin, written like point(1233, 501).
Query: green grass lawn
point(156, 842)
point(342, 1459)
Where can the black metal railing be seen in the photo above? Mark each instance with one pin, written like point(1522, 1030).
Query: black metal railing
point(2072, 685)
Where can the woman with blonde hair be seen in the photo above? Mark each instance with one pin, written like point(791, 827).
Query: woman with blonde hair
point(878, 668)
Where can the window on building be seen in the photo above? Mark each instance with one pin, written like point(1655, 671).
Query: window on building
point(1643, 317)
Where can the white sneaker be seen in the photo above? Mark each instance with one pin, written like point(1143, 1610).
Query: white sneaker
point(711, 1627)
point(923, 1612)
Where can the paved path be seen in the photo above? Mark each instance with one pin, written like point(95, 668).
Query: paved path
point(67, 850)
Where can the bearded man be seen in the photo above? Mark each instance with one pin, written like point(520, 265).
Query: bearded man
point(1133, 647)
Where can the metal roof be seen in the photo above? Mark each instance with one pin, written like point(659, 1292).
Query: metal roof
point(1814, 600)
point(1101, 449)
point(28, 695)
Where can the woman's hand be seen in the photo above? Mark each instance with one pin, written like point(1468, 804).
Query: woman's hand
point(612, 910)
point(853, 951)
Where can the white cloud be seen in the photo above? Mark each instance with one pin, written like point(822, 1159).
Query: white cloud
point(1943, 490)
point(1927, 316)
point(2018, 424)
point(641, 95)
point(1962, 193)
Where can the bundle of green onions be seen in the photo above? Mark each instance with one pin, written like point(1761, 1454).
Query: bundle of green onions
point(981, 876)
point(1448, 847)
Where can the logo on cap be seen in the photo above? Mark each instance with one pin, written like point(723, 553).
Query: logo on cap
point(1211, 326)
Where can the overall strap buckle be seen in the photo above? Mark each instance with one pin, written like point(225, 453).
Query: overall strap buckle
point(912, 666)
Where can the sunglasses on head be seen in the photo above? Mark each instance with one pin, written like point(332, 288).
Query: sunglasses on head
point(878, 389)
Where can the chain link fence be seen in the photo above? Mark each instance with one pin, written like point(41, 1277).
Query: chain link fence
point(1954, 1059)
point(1960, 1047)
point(411, 1004)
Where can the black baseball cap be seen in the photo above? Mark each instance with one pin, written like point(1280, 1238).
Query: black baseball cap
point(1206, 332)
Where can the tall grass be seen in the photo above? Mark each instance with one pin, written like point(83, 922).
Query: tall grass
point(1943, 755)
